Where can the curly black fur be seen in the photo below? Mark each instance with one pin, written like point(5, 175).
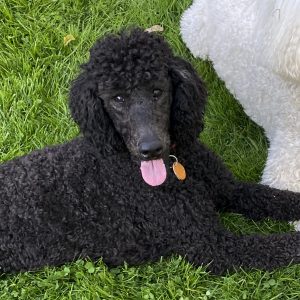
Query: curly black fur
point(86, 198)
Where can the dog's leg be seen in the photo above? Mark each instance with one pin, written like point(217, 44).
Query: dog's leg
point(227, 251)
point(258, 201)
point(282, 169)
point(195, 30)
point(255, 201)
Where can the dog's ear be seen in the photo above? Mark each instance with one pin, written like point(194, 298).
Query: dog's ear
point(88, 112)
point(189, 97)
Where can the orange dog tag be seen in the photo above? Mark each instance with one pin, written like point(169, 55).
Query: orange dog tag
point(179, 170)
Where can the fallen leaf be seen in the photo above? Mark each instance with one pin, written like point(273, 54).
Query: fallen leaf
point(155, 28)
point(68, 38)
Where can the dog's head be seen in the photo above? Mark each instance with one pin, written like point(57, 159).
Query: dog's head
point(135, 94)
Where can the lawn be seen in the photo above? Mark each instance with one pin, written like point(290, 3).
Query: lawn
point(36, 69)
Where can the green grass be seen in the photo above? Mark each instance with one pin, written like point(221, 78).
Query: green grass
point(35, 73)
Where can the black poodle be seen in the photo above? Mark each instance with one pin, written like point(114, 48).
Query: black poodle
point(112, 194)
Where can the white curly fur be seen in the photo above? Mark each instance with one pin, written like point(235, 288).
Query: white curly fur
point(255, 48)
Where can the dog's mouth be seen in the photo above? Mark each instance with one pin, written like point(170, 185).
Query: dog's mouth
point(154, 171)
point(152, 156)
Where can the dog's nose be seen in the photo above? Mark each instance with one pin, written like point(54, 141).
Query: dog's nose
point(151, 149)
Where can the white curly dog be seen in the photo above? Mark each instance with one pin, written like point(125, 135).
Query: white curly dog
point(255, 48)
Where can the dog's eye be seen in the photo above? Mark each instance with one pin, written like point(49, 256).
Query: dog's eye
point(157, 93)
point(119, 99)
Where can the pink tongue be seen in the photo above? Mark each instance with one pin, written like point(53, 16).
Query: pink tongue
point(154, 171)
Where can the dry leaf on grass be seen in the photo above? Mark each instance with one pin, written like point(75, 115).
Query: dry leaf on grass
point(155, 28)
